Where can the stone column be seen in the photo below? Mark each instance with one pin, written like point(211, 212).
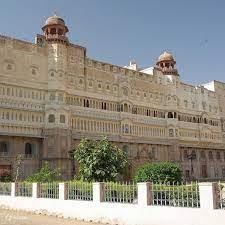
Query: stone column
point(144, 194)
point(98, 192)
point(208, 195)
point(36, 190)
point(13, 189)
point(63, 191)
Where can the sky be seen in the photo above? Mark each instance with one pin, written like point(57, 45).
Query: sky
point(117, 31)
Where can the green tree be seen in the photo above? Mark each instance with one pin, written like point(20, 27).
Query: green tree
point(45, 175)
point(99, 160)
point(159, 172)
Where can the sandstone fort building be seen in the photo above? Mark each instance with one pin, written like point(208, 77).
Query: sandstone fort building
point(52, 95)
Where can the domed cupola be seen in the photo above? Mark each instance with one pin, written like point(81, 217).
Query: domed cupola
point(55, 30)
point(166, 64)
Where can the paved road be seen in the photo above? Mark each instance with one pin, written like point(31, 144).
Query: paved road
point(10, 217)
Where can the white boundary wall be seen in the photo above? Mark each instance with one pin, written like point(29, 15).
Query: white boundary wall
point(122, 214)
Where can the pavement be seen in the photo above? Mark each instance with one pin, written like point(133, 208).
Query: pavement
point(12, 217)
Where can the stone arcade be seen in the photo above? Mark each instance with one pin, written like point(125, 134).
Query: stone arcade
point(52, 95)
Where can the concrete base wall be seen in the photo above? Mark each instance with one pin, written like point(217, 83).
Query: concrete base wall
point(114, 213)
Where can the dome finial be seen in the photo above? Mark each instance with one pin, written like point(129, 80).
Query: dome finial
point(56, 14)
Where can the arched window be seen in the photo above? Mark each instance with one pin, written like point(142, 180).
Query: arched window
point(33, 71)
point(51, 118)
point(62, 119)
point(210, 155)
point(9, 67)
point(125, 108)
point(3, 148)
point(171, 134)
point(87, 103)
point(28, 149)
point(170, 115)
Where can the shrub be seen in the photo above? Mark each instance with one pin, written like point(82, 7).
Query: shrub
point(159, 172)
point(5, 176)
point(44, 175)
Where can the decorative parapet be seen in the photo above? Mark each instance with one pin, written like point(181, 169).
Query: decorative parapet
point(21, 45)
point(106, 67)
